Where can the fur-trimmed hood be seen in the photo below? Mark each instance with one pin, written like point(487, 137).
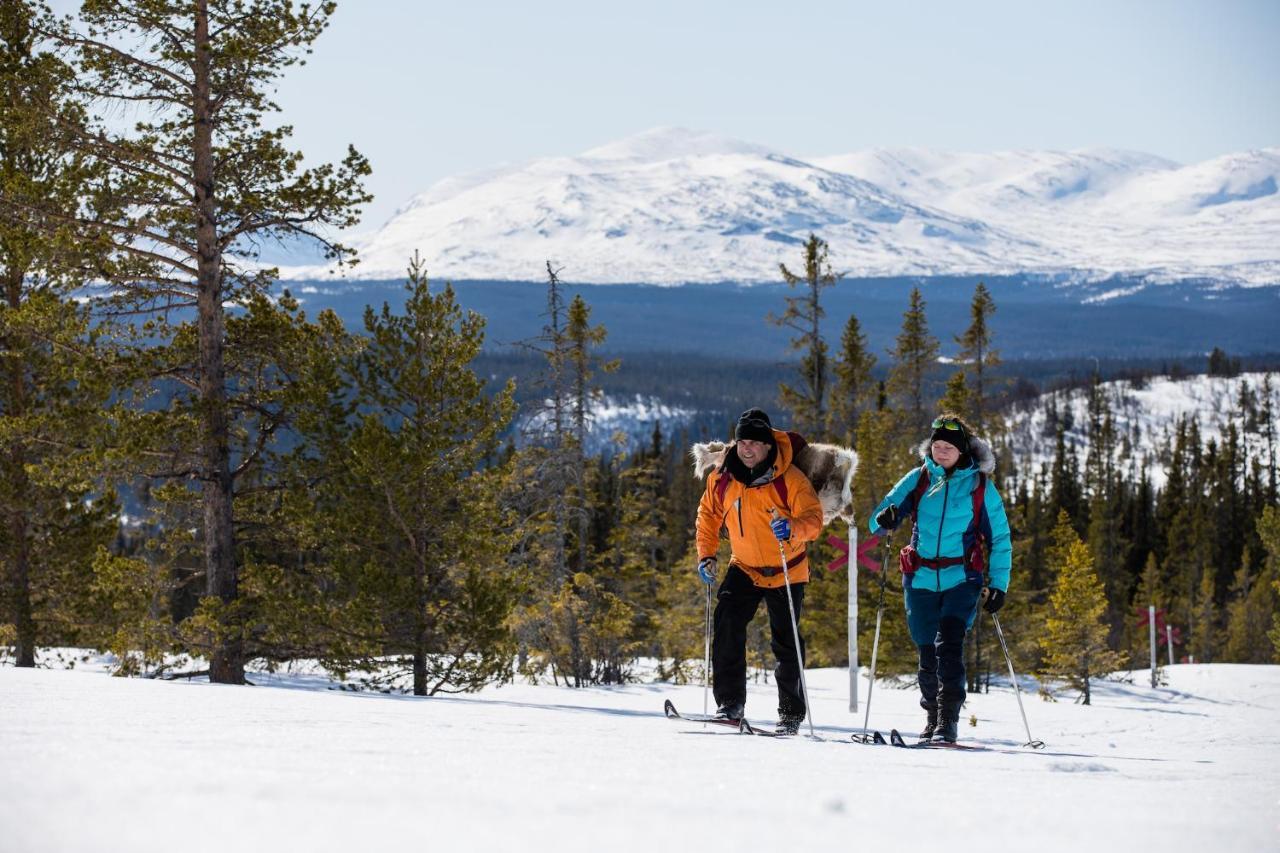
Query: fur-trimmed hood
point(984, 459)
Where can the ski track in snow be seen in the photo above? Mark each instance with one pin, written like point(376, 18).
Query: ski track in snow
point(92, 763)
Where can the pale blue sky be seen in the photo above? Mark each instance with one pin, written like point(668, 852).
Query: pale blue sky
point(429, 89)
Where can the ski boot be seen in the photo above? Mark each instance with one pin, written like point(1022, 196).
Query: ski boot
point(948, 726)
point(730, 711)
point(930, 724)
point(789, 724)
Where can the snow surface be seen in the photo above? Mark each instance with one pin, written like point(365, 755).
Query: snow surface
point(92, 763)
point(671, 206)
point(1146, 414)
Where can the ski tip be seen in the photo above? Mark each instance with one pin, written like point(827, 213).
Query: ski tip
point(895, 738)
point(669, 709)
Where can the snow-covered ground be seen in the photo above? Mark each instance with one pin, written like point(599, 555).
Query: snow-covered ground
point(92, 763)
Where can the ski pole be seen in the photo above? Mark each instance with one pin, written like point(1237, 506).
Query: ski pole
point(1017, 691)
point(875, 649)
point(706, 658)
point(795, 632)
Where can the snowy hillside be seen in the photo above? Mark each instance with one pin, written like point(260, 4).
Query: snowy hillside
point(1146, 415)
point(93, 763)
point(611, 417)
point(672, 206)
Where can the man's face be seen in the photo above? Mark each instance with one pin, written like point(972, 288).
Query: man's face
point(752, 453)
point(945, 453)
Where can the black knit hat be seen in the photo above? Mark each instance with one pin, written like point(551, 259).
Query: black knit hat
point(754, 425)
point(952, 431)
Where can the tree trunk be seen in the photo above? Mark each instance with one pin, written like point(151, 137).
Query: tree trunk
point(420, 628)
point(23, 618)
point(227, 664)
point(20, 555)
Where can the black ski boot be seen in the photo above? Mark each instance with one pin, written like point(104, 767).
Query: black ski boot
point(930, 723)
point(730, 711)
point(789, 724)
point(948, 726)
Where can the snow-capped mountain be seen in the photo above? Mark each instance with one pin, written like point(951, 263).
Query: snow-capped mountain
point(672, 206)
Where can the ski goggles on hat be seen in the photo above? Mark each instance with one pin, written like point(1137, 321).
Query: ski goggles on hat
point(947, 423)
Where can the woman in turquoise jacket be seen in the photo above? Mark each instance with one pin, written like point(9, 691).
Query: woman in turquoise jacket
point(958, 514)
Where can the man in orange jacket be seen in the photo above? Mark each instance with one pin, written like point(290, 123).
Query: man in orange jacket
point(761, 500)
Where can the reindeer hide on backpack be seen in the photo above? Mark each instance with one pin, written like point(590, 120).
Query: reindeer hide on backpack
point(828, 466)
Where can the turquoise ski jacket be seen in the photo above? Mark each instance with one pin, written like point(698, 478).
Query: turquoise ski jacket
point(944, 525)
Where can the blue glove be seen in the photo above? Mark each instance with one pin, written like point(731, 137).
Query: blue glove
point(781, 528)
point(707, 570)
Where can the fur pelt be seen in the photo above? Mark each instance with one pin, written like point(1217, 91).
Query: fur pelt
point(828, 466)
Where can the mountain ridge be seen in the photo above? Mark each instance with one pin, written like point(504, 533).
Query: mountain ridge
point(673, 206)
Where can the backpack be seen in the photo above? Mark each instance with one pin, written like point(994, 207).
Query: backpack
point(909, 560)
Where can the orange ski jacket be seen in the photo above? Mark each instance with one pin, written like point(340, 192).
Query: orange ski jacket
point(745, 512)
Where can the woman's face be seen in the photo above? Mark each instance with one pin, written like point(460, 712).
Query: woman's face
point(945, 453)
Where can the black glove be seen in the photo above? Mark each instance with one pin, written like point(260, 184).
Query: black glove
point(995, 600)
point(888, 518)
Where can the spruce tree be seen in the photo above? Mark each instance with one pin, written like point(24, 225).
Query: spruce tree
point(957, 398)
point(1250, 611)
point(978, 356)
point(853, 391)
point(914, 354)
point(1205, 634)
point(803, 315)
point(206, 180)
point(1150, 593)
point(1075, 638)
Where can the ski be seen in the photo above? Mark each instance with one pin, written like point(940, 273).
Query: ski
point(741, 726)
point(895, 738)
point(672, 714)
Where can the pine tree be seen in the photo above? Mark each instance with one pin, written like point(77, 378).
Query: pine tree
point(205, 180)
point(803, 315)
point(854, 389)
point(415, 522)
point(54, 375)
point(914, 355)
point(1075, 638)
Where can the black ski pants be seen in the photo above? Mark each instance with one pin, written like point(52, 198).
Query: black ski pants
point(736, 604)
point(939, 621)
